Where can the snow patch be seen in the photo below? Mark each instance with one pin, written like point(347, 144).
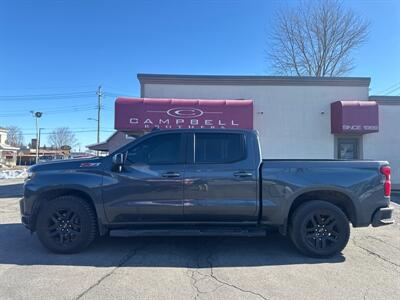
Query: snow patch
point(11, 174)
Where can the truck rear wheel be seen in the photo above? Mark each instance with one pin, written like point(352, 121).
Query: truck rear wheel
point(66, 224)
point(319, 229)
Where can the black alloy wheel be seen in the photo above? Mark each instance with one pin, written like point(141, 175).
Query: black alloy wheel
point(66, 224)
point(319, 229)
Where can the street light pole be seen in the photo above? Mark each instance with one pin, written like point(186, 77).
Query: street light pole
point(39, 139)
point(37, 115)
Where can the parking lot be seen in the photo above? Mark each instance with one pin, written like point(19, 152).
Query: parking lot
point(198, 268)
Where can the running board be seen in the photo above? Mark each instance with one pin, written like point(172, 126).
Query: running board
point(187, 232)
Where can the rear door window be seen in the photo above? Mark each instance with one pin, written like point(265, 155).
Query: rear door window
point(219, 148)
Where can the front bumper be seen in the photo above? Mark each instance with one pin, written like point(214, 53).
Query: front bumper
point(26, 219)
point(383, 216)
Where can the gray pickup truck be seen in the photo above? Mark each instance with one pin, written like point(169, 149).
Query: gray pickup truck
point(204, 182)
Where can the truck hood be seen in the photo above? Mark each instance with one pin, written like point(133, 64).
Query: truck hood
point(68, 164)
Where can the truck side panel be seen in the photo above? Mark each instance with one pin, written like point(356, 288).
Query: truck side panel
point(359, 182)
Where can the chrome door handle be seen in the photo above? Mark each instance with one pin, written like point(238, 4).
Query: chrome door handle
point(242, 174)
point(171, 175)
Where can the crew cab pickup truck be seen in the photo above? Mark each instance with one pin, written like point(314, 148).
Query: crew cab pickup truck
point(204, 182)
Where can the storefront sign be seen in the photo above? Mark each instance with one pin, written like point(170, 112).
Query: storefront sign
point(146, 113)
point(354, 117)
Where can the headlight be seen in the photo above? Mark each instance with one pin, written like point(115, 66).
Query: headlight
point(29, 176)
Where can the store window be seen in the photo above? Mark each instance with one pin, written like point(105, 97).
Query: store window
point(348, 148)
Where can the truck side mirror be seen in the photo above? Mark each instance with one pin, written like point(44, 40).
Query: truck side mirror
point(118, 161)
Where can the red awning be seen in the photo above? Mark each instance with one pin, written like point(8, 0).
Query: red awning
point(133, 114)
point(354, 117)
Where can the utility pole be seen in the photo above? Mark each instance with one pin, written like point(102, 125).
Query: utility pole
point(99, 99)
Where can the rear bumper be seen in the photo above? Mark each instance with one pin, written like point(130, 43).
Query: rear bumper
point(383, 216)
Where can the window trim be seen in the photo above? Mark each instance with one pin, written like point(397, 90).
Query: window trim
point(193, 152)
point(182, 150)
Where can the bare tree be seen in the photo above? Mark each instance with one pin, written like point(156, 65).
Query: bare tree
point(316, 38)
point(15, 136)
point(62, 136)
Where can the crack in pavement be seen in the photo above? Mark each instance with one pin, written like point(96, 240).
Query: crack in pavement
point(122, 261)
point(234, 286)
point(370, 252)
point(195, 281)
point(383, 241)
point(212, 275)
point(365, 293)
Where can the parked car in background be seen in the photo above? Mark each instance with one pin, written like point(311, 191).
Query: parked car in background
point(46, 158)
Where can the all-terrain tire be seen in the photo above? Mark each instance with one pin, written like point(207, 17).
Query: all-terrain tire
point(66, 224)
point(319, 229)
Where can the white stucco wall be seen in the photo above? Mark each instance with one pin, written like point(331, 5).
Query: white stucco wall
point(385, 144)
point(288, 118)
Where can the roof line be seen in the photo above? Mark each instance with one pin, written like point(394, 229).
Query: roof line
point(391, 100)
point(104, 142)
point(251, 80)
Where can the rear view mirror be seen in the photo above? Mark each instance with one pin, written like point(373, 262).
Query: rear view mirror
point(118, 161)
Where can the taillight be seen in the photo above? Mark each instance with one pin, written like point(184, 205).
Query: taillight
point(385, 170)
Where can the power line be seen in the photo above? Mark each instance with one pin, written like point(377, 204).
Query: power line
point(385, 91)
point(57, 98)
point(59, 95)
point(70, 128)
point(52, 108)
point(113, 94)
point(73, 131)
point(75, 87)
point(54, 96)
point(54, 112)
point(393, 90)
point(47, 94)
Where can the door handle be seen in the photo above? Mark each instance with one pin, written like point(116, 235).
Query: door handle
point(242, 174)
point(171, 175)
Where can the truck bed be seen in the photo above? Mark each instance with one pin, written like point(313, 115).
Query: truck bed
point(357, 183)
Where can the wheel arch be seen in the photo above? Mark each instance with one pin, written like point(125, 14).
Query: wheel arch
point(50, 194)
point(338, 198)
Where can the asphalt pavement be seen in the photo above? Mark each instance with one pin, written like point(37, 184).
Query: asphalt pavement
point(194, 268)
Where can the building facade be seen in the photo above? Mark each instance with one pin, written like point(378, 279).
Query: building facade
point(8, 154)
point(297, 117)
point(115, 141)
point(293, 114)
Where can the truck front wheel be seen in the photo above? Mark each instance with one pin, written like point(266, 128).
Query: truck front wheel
point(319, 229)
point(66, 224)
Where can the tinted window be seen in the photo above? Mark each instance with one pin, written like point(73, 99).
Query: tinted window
point(348, 148)
point(219, 147)
point(160, 149)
